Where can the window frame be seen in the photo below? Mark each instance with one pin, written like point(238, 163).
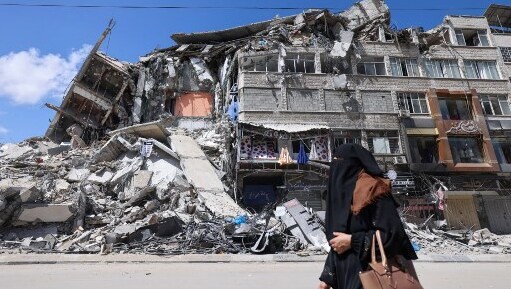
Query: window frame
point(481, 69)
point(456, 154)
point(409, 97)
point(299, 59)
point(482, 37)
point(267, 59)
point(491, 101)
point(398, 67)
point(442, 68)
point(396, 144)
point(373, 61)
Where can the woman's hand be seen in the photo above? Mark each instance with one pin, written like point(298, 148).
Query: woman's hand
point(323, 285)
point(341, 242)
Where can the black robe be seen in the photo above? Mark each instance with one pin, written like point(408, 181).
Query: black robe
point(341, 270)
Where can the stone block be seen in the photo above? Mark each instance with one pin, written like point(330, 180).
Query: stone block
point(46, 213)
point(30, 194)
point(101, 178)
point(77, 175)
point(142, 179)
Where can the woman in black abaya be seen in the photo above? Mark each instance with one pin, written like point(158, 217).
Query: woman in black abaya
point(350, 234)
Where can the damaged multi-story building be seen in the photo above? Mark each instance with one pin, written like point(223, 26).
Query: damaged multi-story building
point(269, 101)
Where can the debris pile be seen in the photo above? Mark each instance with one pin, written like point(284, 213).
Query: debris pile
point(458, 242)
point(131, 194)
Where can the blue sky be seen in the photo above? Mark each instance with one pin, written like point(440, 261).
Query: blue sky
point(41, 48)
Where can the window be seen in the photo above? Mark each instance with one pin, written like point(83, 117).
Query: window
point(481, 69)
point(371, 66)
point(383, 142)
point(301, 63)
point(337, 65)
point(415, 102)
point(502, 147)
point(455, 108)
point(260, 63)
point(404, 66)
point(345, 137)
point(423, 149)
point(495, 105)
point(466, 150)
point(442, 68)
point(472, 37)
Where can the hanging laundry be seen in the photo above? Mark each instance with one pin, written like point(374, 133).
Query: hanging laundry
point(302, 155)
point(314, 152)
point(233, 110)
point(284, 157)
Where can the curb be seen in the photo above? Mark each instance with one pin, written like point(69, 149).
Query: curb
point(32, 259)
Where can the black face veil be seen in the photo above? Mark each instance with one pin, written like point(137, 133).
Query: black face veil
point(349, 160)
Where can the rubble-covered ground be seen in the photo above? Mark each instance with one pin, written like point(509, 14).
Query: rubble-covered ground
point(115, 197)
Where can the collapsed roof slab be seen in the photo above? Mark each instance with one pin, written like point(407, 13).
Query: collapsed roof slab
point(202, 175)
point(365, 12)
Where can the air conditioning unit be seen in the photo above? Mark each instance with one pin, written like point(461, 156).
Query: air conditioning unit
point(400, 160)
point(404, 113)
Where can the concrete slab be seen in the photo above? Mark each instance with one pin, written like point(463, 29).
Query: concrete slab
point(201, 174)
point(186, 147)
point(46, 213)
point(10, 187)
point(101, 178)
point(31, 194)
point(62, 185)
point(142, 179)
point(220, 203)
point(77, 175)
point(13, 151)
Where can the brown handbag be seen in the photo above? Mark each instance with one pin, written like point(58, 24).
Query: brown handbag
point(385, 274)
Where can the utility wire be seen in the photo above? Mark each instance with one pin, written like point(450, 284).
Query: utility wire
point(42, 5)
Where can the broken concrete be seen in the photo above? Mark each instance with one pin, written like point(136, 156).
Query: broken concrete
point(46, 213)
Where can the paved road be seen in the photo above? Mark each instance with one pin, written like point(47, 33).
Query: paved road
point(230, 275)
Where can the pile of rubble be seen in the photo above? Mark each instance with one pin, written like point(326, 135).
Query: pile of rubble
point(133, 194)
point(458, 242)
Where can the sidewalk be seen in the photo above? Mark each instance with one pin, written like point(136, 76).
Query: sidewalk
point(22, 259)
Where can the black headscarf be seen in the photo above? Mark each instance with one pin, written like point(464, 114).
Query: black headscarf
point(349, 160)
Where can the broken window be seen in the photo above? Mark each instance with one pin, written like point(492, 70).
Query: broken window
point(404, 66)
point(472, 37)
point(345, 137)
point(442, 68)
point(455, 108)
point(383, 142)
point(301, 63)
point(371, 66)
point(466, 150)
point(502, 147)
point(495, 105)
point(481, 69)
point(414, 102)
point(265, 63)
point(337, 65)
point(423, 149)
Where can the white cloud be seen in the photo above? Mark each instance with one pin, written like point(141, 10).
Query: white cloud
point(26, 77)
point(3, 130)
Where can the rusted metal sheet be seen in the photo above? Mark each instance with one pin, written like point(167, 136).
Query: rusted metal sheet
point(461, 213)
point(498, 210)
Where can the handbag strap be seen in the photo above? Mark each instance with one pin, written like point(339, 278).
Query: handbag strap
point(377, 238)
point(382, 251)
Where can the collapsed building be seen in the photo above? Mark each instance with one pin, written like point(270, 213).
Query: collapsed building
point(232, 123)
